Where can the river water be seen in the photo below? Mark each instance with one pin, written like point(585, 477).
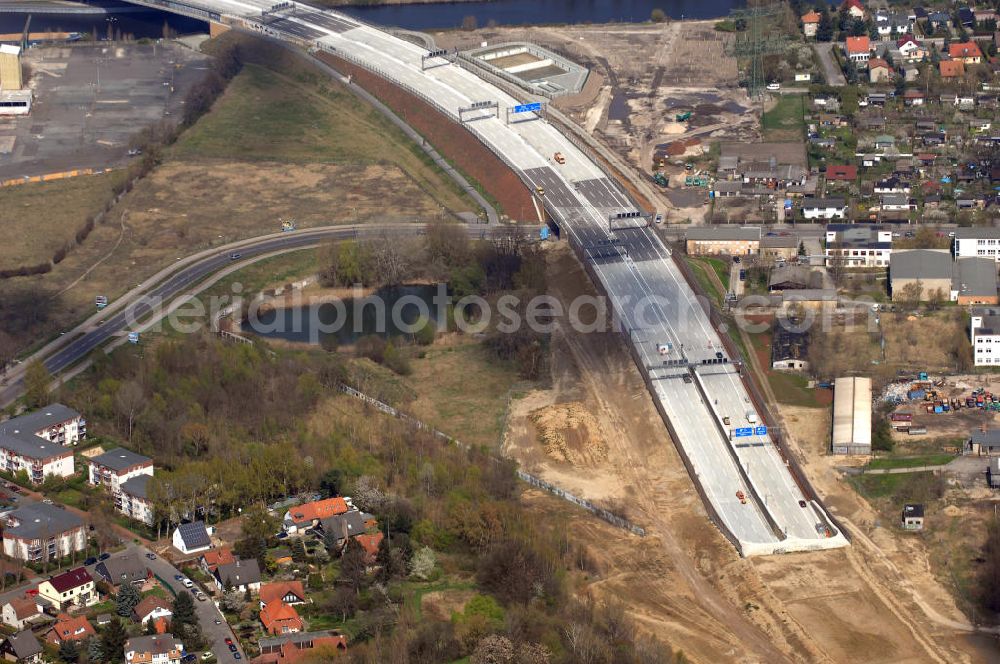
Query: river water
point(413, 16)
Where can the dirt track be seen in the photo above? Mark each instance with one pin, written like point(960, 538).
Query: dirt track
point(851, 605)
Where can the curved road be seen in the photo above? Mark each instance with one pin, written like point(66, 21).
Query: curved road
point(86, 337)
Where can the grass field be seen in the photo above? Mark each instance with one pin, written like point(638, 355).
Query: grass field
point(785, 119)
point(912, 461)
point(39, 218)
point(287, 144)
point(705, 280)
point(921, 487)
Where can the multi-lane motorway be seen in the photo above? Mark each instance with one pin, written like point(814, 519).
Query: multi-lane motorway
point(745, 481)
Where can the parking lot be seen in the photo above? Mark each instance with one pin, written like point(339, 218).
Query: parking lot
point(88, 102)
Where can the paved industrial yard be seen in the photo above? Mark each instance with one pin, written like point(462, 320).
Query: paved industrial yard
point(633, 267)
point(89, 100)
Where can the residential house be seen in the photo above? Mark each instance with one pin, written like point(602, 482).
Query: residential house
point(291, 647)
point(892, 185)
point(22, 647)
point(910, 74)
point(913, 517)
point(308, 515)
point(951, 68)
point(369, 542)
point(877, 98)
point(155, 649)
point(885, 142)
point(794, 277)
point(841, 173)
point(854, 8)
point(288, 592)
point(824, 208)
point(133, 500)
point(21, 612)
point(192, 537)
point(37, 532)
point(938, 21)
point(891, 25)
point(896, 203)
point(241, 575)
point(879, 71)
point(910, 49)
point(967, 52)
point(124, 568)
point(152, 608)
point(856, 245)
point(913, 97)
point(810, 21)
point(965, 17)
point(977, 241)
point(346, 525)
point(858, 50)
point(280, 618)
point(112, 469)
point(723, 240)
point(210, 560)
point(70, 628)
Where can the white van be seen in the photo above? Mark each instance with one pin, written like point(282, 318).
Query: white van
point(751, 417)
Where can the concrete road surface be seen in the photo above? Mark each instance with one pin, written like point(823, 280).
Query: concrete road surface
point(831, 70)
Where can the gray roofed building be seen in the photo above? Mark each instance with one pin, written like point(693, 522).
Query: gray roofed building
point(975, 280)
point(921, 264)
point(978, 232)
point(23, 646)
point(779, 242)
point(724, 233)
point(192, 537)
point(346, 525)
point(813, 203)
point(37, 420)
point(126, 568)
point(137, 486)
point(156, 644)
point(120, 459)
point(30, 446)
point(40, 521)
point(993, 473)
point(241, 575)
point(984, 442)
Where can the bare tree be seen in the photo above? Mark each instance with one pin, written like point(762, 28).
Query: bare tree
point(129, 402)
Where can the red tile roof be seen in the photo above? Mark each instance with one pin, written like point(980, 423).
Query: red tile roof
point(875, 63)
point(858, 44)
point(70, 628)
point(277, 616)
point(965, 50)
point(852, 3)
point(271, 592)
point(216, 557)
point(952, 68)
point(810, 17)
point(845, 172)
point(24, 607)
point(370, 544)
point(318, 510)
point(71, 579)
point(290, 652)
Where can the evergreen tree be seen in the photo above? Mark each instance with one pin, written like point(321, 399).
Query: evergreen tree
point(128, 598)
point(352, 565)
point(824, 31)
point(113, 642)
point(68, 652)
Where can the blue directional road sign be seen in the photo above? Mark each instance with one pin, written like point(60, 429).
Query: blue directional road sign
point(528, 108)
point(544, 233)
point(760, 431)
point(743, 432)
point(133, 337)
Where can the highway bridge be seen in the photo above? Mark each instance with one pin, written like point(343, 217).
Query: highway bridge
point(745, 482)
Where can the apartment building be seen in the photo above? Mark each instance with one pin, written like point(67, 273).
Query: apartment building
point(977, 241)
point(38, 532)
point(115, 467)
point(858, 245)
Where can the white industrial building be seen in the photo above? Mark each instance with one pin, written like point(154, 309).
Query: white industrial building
point(984, 332)
point(852, 415)
point(974, 241)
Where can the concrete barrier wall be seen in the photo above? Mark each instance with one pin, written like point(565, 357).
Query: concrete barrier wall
point(528, 66)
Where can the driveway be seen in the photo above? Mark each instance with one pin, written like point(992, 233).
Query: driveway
point(831, 71)
point(208, 613)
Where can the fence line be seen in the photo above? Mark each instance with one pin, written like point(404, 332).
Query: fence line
point(533, 480)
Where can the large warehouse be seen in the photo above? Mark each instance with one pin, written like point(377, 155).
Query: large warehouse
point(852, 416)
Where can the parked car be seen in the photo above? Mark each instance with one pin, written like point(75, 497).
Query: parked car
point(774, 87)
point(188, 583)
point(151, 556)
point(104, 556)
point(178, 577)
point(235, 256)
point(90, 561)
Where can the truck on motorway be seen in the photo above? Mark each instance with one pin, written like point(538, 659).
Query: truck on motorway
point(752, 417)
point(560, 159)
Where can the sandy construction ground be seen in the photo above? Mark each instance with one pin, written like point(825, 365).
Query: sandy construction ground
point(873, 602)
